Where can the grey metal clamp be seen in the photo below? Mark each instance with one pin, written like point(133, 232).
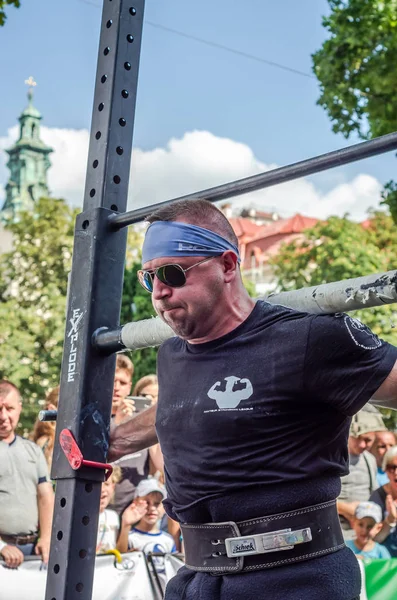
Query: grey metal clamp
point(261, 543)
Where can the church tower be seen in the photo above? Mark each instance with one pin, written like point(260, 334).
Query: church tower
point(28, 163)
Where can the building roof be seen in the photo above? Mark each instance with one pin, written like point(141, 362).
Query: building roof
point(250, 231)
point(245, 227)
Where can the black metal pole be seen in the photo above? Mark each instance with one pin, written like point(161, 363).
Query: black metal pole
point(337, 158)
point(94, 300)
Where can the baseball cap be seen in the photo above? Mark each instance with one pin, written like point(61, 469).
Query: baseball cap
point(147, 486)
point(369, 509)
point(368, 419)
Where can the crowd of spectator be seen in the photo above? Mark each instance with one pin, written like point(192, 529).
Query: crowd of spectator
point(368, 499)
point(131, 515)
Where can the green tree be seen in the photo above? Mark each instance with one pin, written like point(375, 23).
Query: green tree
point(3, 4)
point(357, 74)
point(341, 249)
point(33, 300)
point(356, 67)
point(137, 303)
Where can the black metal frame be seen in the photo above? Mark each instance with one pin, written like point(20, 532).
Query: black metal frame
point(95, 291)
point(94, 301)
point(323, 162)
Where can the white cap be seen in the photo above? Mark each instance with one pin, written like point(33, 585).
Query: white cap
point(147, 486)
point(369, 509)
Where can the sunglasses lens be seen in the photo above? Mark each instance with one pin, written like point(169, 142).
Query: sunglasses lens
point(146, 280)
point(171, 275)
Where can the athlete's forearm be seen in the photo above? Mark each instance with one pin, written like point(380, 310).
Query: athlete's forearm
point(134, 435)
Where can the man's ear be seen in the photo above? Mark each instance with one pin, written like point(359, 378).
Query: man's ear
point(229, 265)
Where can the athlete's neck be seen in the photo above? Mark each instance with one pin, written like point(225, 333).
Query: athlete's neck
point(234, 314)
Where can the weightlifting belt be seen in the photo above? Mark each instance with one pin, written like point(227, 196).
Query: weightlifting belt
point(263, 543)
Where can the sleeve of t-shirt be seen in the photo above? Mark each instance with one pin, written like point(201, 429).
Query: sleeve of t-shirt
point(345, 362)
point(42, 468)
point(133, 543)
point(383, 552)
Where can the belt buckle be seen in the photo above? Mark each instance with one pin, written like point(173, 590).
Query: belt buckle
point(261, 543)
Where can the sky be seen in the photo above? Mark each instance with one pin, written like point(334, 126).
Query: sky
point(204, 115)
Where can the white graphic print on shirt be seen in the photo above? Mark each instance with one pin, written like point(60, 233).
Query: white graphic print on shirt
point(235, 391)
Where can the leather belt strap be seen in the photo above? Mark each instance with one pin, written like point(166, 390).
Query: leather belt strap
point(19, 539)
point(263, 543)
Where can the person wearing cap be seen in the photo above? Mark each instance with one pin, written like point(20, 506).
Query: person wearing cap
point(361, 480)
point(253, 415)
point(144, 534)
point(367, 523)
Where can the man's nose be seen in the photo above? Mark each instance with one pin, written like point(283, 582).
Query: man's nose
point(160, 289)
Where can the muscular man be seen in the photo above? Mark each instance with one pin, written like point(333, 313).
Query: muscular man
point(135, 466)
point(253, 417)
point(26, 494)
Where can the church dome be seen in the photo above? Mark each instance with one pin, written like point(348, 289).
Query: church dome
point(31, 111)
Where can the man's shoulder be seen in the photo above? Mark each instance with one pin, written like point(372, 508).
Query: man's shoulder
point(29, 447)
point(370, 459)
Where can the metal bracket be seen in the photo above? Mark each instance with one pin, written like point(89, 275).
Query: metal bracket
point(261, 543)
point(75, 457)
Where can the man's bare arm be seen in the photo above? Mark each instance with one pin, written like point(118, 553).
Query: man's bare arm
point(386, 394)
point(134, 435)
point(45, 501)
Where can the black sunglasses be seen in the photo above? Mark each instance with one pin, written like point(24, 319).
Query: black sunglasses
point(171, 275)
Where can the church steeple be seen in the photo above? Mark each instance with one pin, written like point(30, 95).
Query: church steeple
point(28, 163)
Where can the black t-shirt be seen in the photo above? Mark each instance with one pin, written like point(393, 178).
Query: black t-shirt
point(257, 421)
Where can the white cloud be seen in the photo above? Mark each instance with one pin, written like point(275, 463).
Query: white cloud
point(197, 161)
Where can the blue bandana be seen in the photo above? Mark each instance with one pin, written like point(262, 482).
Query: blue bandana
point(172, 238)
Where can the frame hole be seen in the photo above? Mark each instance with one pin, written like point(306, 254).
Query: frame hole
point(109, 23)
point(95, 164)
point(114, 207)
point(125, 93)
point(119, 150)
point(106, 50)
point(62, 502)
point(79, 587)
point(85, 226)
point(57, 568)
point(101, 107)
point(92, 192)
point(103, 78)
point(98, 135)
point(130, 38)
point(85, 520)
point(83, 553)
point(88, 488)
point(127, 66)
point(122, 122)
point(132, 11)
point(59, 535)
point(116, 179)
